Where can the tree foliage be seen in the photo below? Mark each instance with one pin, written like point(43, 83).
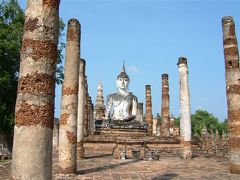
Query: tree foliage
point(11, 32)
point(203, 119)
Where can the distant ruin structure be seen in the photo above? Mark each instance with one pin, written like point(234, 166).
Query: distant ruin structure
point(99, 110)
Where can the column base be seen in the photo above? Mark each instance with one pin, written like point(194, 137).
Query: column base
point(186, 151)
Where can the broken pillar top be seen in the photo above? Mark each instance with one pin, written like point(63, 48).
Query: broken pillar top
point(73, 22)
point(148, 86)
point(182, 60)
point(73, 30)
point(83, 61)
point(164, 76)
point(227, 20)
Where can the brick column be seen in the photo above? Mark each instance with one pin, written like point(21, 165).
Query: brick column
point(139, 117)
point(89, 112)
point(68, 119)
point(91, 120)
point(34, 113)
point(149, 109)
point(165, 106)
point(85, 118)
point(185, 111)
point(81, 109)
point(232, 75)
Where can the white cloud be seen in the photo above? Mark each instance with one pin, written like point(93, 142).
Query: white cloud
point(133, 69)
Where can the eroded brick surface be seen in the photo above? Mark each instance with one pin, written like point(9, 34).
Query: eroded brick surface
point(31, 24)
point(64, 118)
point(51, 3)
point(29, 114)
point(229, 41)
point(66, 91)
point(234, 89)
point(36, 83)
point(231, 51)
point(234, 115)
point(71, 137)
point(37, 50)
point(72, 34)
point(234, 142)
point(68, 170)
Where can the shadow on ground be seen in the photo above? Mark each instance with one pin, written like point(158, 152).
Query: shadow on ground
point(165, 176)
point(110, 166)
point(98, 156)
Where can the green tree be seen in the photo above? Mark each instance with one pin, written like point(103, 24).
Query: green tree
point(203, 119)
point(11, 32)
point(159, 118)
point(177, 121)
point(223, 126)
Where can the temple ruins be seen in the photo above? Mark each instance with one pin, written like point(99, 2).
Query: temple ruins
point(118, 125)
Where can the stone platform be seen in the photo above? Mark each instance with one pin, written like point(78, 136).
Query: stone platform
point(133, 142)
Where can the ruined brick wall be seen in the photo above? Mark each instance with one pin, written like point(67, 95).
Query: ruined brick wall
point(213, 144)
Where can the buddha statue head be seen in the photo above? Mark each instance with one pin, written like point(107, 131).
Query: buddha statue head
point(123, 81)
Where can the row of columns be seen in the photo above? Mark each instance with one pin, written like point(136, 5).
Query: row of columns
point(76, 106)
point(69, 105)
point(185, 110)
point(35, 97)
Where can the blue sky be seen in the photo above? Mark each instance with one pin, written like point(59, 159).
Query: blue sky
point(150, 36)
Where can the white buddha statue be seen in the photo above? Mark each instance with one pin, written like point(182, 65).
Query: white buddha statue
point(121, 105)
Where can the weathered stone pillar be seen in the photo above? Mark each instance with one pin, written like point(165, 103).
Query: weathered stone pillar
point(68, 120)
point(149, 109)
point(81, 109)
point(34, 113)
point(89, 101)
point(92, 122)
point(154, 131)
point(165, 106)
point(85, 119)
point(185, 111)
point(232, 74)
point(139, 117)
point(56, 133)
